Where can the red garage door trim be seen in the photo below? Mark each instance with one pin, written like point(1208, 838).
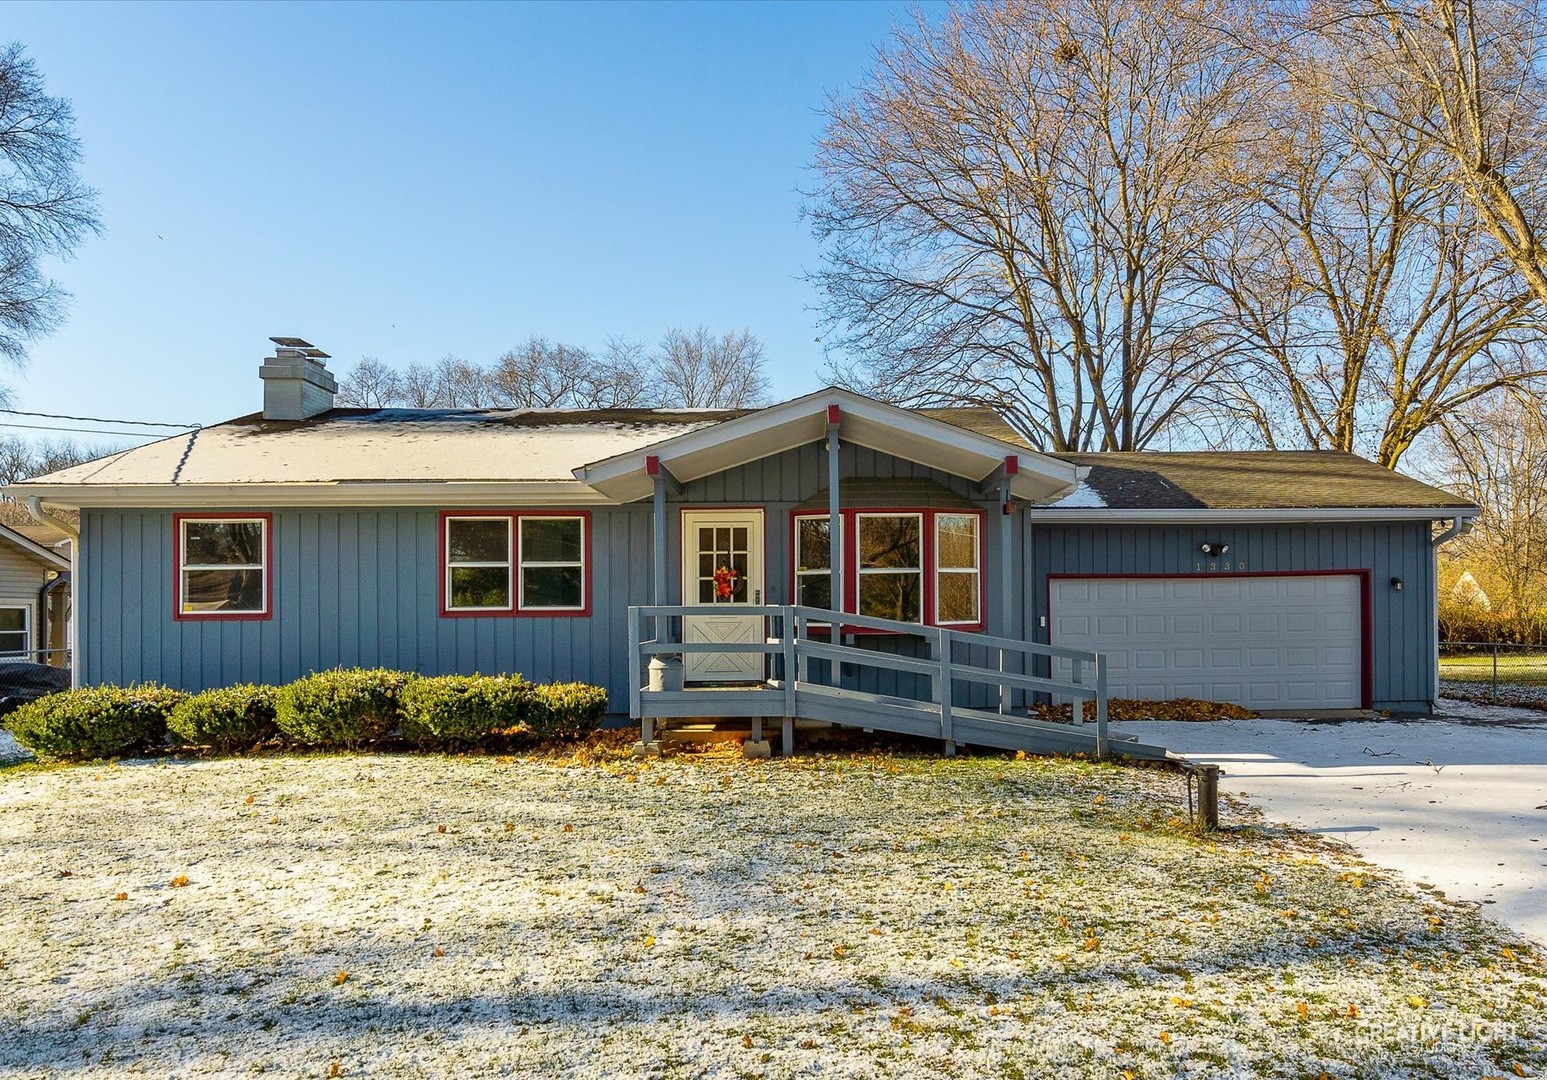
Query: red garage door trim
point(1366, 608)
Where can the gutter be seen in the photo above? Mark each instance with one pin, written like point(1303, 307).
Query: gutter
point(35, 508)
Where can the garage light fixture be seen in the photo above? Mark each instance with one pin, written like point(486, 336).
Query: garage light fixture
point(1215, 549)
point(1396, 584)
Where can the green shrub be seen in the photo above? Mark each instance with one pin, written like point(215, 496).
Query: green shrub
point(567, 710)
point(229, 719)
point(342, 707)
point(463, 711)
point(95, 722)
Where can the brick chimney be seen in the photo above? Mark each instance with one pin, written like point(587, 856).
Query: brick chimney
point(296, 385)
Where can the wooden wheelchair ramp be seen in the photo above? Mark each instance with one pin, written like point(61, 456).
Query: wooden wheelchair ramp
point(961, 688)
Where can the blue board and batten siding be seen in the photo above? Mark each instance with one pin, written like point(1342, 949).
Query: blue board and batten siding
point(361, 586)
point(1400, 622)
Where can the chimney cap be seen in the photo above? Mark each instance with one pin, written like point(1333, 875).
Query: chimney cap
point(305, 347)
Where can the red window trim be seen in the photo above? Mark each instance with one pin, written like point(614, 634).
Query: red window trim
point(849, 543)
point(515, 610)
point(178, 614)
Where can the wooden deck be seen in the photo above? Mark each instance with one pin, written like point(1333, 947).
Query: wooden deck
point(799, 689)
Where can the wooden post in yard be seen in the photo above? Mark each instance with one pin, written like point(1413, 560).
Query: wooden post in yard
point(1208, 795)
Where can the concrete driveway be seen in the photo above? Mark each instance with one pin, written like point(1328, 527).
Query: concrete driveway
point(1457, 801)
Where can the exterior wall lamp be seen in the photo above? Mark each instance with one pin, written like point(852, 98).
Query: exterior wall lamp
point(1214, 549)
point(1396, 584)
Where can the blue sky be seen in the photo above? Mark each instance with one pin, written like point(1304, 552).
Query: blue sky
point(408, 181)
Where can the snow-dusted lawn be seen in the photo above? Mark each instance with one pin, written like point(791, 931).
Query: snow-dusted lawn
point(868, 916)
point(1457, 802)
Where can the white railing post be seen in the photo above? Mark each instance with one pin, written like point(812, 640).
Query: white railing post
point(1079, 680)
point(941, 647)
point(635, 674)
point(789, 625)
point(1101, 706)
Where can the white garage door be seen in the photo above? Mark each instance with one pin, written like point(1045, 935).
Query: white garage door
point(1262, 642)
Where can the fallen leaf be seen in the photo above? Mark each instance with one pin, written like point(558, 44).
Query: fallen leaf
point(341, 978)
point(121, 896)
point(179, 881)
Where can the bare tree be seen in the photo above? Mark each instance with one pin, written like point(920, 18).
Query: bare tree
point(22, 459)
point(421, 387)
point(371, 384)
point(1470, 77)
point(1009, 203)
point(540, 374)
point(1496, 455)
point(699, 370)
point(1369, 304)
point(463, 385)
point(621, 376)
point(45, 209)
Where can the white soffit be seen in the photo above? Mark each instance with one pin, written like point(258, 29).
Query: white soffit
point(863, 422)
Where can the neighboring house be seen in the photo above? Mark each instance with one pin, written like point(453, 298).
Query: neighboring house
point(1468, 591)
point(459, 540)
point(34, 594)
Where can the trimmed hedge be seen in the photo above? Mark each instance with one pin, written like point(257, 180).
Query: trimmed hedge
point(330, 709)
point(227, 720)
point(95, 722)
point(342, 707)
point(567, 710)
point(463, 711)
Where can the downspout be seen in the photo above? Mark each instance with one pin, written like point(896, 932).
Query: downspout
point(35, 508)
point(1460, 525)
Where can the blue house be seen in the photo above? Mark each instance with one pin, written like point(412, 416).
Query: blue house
point(305, 537)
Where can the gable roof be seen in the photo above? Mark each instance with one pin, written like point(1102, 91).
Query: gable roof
point(1238, 483)
point(909, 434)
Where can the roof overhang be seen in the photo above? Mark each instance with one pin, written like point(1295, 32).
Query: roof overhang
point(862, 421)
point(33, 550)
point(1251, 516)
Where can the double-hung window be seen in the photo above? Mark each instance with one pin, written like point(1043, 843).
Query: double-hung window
point(531, 563)
point(15, 637)
point(918, 566)
point(223, 566)
point(891, 566)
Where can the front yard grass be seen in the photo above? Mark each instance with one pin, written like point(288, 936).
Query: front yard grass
point(1515, 668)
point(844, 915)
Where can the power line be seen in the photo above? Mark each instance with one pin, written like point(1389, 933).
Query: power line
point(89, 420)
point(92, 431)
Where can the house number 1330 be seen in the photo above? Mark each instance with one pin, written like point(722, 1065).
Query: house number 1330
point(1216, 566)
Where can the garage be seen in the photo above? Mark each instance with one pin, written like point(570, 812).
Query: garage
point(1269, 642)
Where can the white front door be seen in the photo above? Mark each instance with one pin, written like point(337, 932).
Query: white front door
point(722, 564)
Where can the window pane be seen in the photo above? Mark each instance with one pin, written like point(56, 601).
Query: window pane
point(957, 536)
point(550, 587)
point(889, 541)
point(816, 590)
point(480, 587)
point(222, 543)
point(890, 596)
point(815, 551)
point(478, 540)
point(550, 540)
point(706, 593)
point(958, 598)
point(223, 590)
point(13, 618)
point(12, 642)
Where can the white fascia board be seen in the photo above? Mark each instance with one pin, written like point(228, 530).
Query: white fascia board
point(438, 493)
point(865, 422)
point(1266, 515)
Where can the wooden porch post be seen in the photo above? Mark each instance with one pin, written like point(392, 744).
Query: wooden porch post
point(660, 539)
point(1008, 588)
point(834, 513)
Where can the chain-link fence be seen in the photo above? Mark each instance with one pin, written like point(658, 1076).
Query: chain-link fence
point(1497, 673)
point(30, 675)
